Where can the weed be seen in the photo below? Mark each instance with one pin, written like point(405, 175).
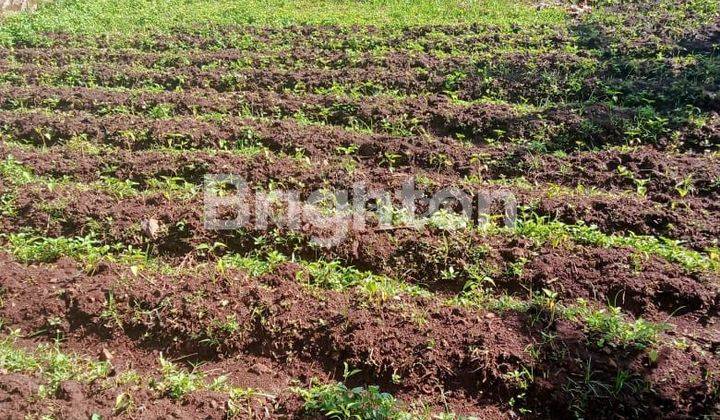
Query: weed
point(337, 401)
point(348, 150)
point(542, 230)
point(447, 220)
point(239, 402)
point(254, 266)
point(521, 378)
point(640, 184)
point(685, 187)
point(30, 249)
point(111, 312)
point(119, 189)
point(391, 159)
point(104, 16)
point(608, 327)
point(123, 403)
point(545, 306)
point(334, 276)
point(50, 363)
point(15, 172)
point(162, 111)
point(175, 382)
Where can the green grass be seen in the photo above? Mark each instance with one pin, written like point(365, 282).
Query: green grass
point(15, 173)
point(327, 275)
point(29, 247)
point(131, 16)
point(54, 366)
point(50, 363)
point(175, 382)
point(544, 230)
point(332, 275)
point(608, 327)
point(337, 401)
point(18, 175)
point(604, 326)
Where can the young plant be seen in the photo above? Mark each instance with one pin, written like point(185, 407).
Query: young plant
point(685, 187)
point(337, 401)
point(608, 327)
point(640, 184)
point(175, 382)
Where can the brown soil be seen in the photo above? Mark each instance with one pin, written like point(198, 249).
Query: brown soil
point(80, 113)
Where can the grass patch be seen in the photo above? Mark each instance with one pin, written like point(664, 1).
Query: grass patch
point(332, 275)
point(29, 248)
point(16, 175)
point(51, 364)
point(609, 327)
point(328, 275)
point(54, 367)
point(604, 326)
point(544, 230)
point(175, 382)
point(337, 401)
point(15, 172)
point(128, 17)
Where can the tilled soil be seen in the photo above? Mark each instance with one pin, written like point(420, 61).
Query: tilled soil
point(112, 142)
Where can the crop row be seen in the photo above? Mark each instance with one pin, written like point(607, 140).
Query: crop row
point(554, 77)
point(441, 37)
point(118, 210)
point(617, 190)
point(273, 315)
point(435, 114)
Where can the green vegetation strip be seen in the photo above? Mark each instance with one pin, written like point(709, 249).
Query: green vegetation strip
point(53, 366)
point(332, 275)
point(328, 275)
point(605, 326)
point(129, 17)
point(49, 363)
point(17, 175)
point(338, 401)
point(544, 230)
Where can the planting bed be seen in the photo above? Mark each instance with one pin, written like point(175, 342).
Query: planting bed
point(602, 300)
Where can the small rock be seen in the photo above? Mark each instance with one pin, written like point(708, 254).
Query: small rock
point(71, 391)
point(151, 228)
point(105, 355)
point(260, 369)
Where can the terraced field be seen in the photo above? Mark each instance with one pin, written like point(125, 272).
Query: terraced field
point(602, 299)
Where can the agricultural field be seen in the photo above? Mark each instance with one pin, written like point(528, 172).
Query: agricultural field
point(587, 287)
